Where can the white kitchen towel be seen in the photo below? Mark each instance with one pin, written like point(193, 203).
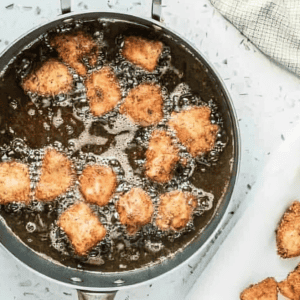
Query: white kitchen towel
point(273, 26)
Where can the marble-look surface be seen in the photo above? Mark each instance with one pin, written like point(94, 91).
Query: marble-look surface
point(266, 98)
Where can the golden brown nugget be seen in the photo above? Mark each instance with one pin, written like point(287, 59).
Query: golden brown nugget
point(82, 227)
point(97, 184)
point(175, 210)
point(288, 232)
point(144, 104)
point(290, 287)
point(57, 175)
point(135, 209)
point(73, 47)
point(161, 157)
point(103, 91)
point(50, 79)
point(194, 129)
point(142, 52)
point(14, 182)
point(264, 290)
point(286, 290)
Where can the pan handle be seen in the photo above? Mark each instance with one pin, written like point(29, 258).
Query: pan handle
point(155, 13)
point(82, 295)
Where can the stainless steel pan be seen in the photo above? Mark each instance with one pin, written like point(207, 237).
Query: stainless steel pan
point(97, 285)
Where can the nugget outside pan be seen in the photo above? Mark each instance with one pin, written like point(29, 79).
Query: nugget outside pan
point(196, 69)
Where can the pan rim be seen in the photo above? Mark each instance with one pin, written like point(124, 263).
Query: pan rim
point(235, 166)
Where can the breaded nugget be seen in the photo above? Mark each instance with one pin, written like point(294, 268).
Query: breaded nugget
point(97, 184)
point(103, 91)
point(142, 52)
point(73, 47)
point(57, 175)
point(194, 129)
point(135, 209)
point(14, 182)
point(290, 287)
point(264, 290)
point(144, 104)
point(50, 79)
point(82, 227)
point(286, 290)
point(161, 157)
point(288, 232)
point(175, 210)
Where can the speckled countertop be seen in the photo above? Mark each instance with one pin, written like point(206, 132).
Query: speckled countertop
point(266, 98)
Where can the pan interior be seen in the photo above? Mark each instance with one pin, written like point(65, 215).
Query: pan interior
point(27, 128)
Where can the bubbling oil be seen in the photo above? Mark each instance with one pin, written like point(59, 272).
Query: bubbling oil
point(67, 125)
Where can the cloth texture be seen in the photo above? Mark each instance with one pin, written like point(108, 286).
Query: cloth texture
point(273, 26)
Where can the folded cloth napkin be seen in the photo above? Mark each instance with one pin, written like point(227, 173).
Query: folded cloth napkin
point(273, 26)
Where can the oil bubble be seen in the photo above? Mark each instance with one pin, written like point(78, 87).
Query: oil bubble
point(31, 227)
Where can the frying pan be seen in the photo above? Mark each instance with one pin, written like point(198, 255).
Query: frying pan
point(100, 285)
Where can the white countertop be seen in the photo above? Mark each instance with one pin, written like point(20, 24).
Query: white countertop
point(266, 98)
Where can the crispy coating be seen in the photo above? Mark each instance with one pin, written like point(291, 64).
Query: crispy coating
point(286, 290)
point(290, 287)
point(103, 91)
point(57, 175)
point(144, 104)
point(73, 47)
point(14, 182)
point(288, 232)
point(142, 52)
point(135, 209)
point(194, 129)
point(161, 157)
point(82, 227)
point(50, 79)
point(264, 290)
point(97, 184)
point(175, 210)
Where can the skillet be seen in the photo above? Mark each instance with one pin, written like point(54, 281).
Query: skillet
point(221, 179)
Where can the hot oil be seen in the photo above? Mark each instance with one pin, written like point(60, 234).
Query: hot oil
point(64, 122)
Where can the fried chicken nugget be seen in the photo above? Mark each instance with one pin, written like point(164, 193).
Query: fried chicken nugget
point(103, 91)
point(194, 129)
point(50, 79)
point(57, 175)
point(264, 290)
point(14, 182)
point(175, 210)
point(82, 227)
point(97, 184)
point(288, 232)
point(142, 52)
point(73, 47)
point(290, 287)
point(144, 104)
point(286, 289)
point(135, 209)
point(161, 157)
